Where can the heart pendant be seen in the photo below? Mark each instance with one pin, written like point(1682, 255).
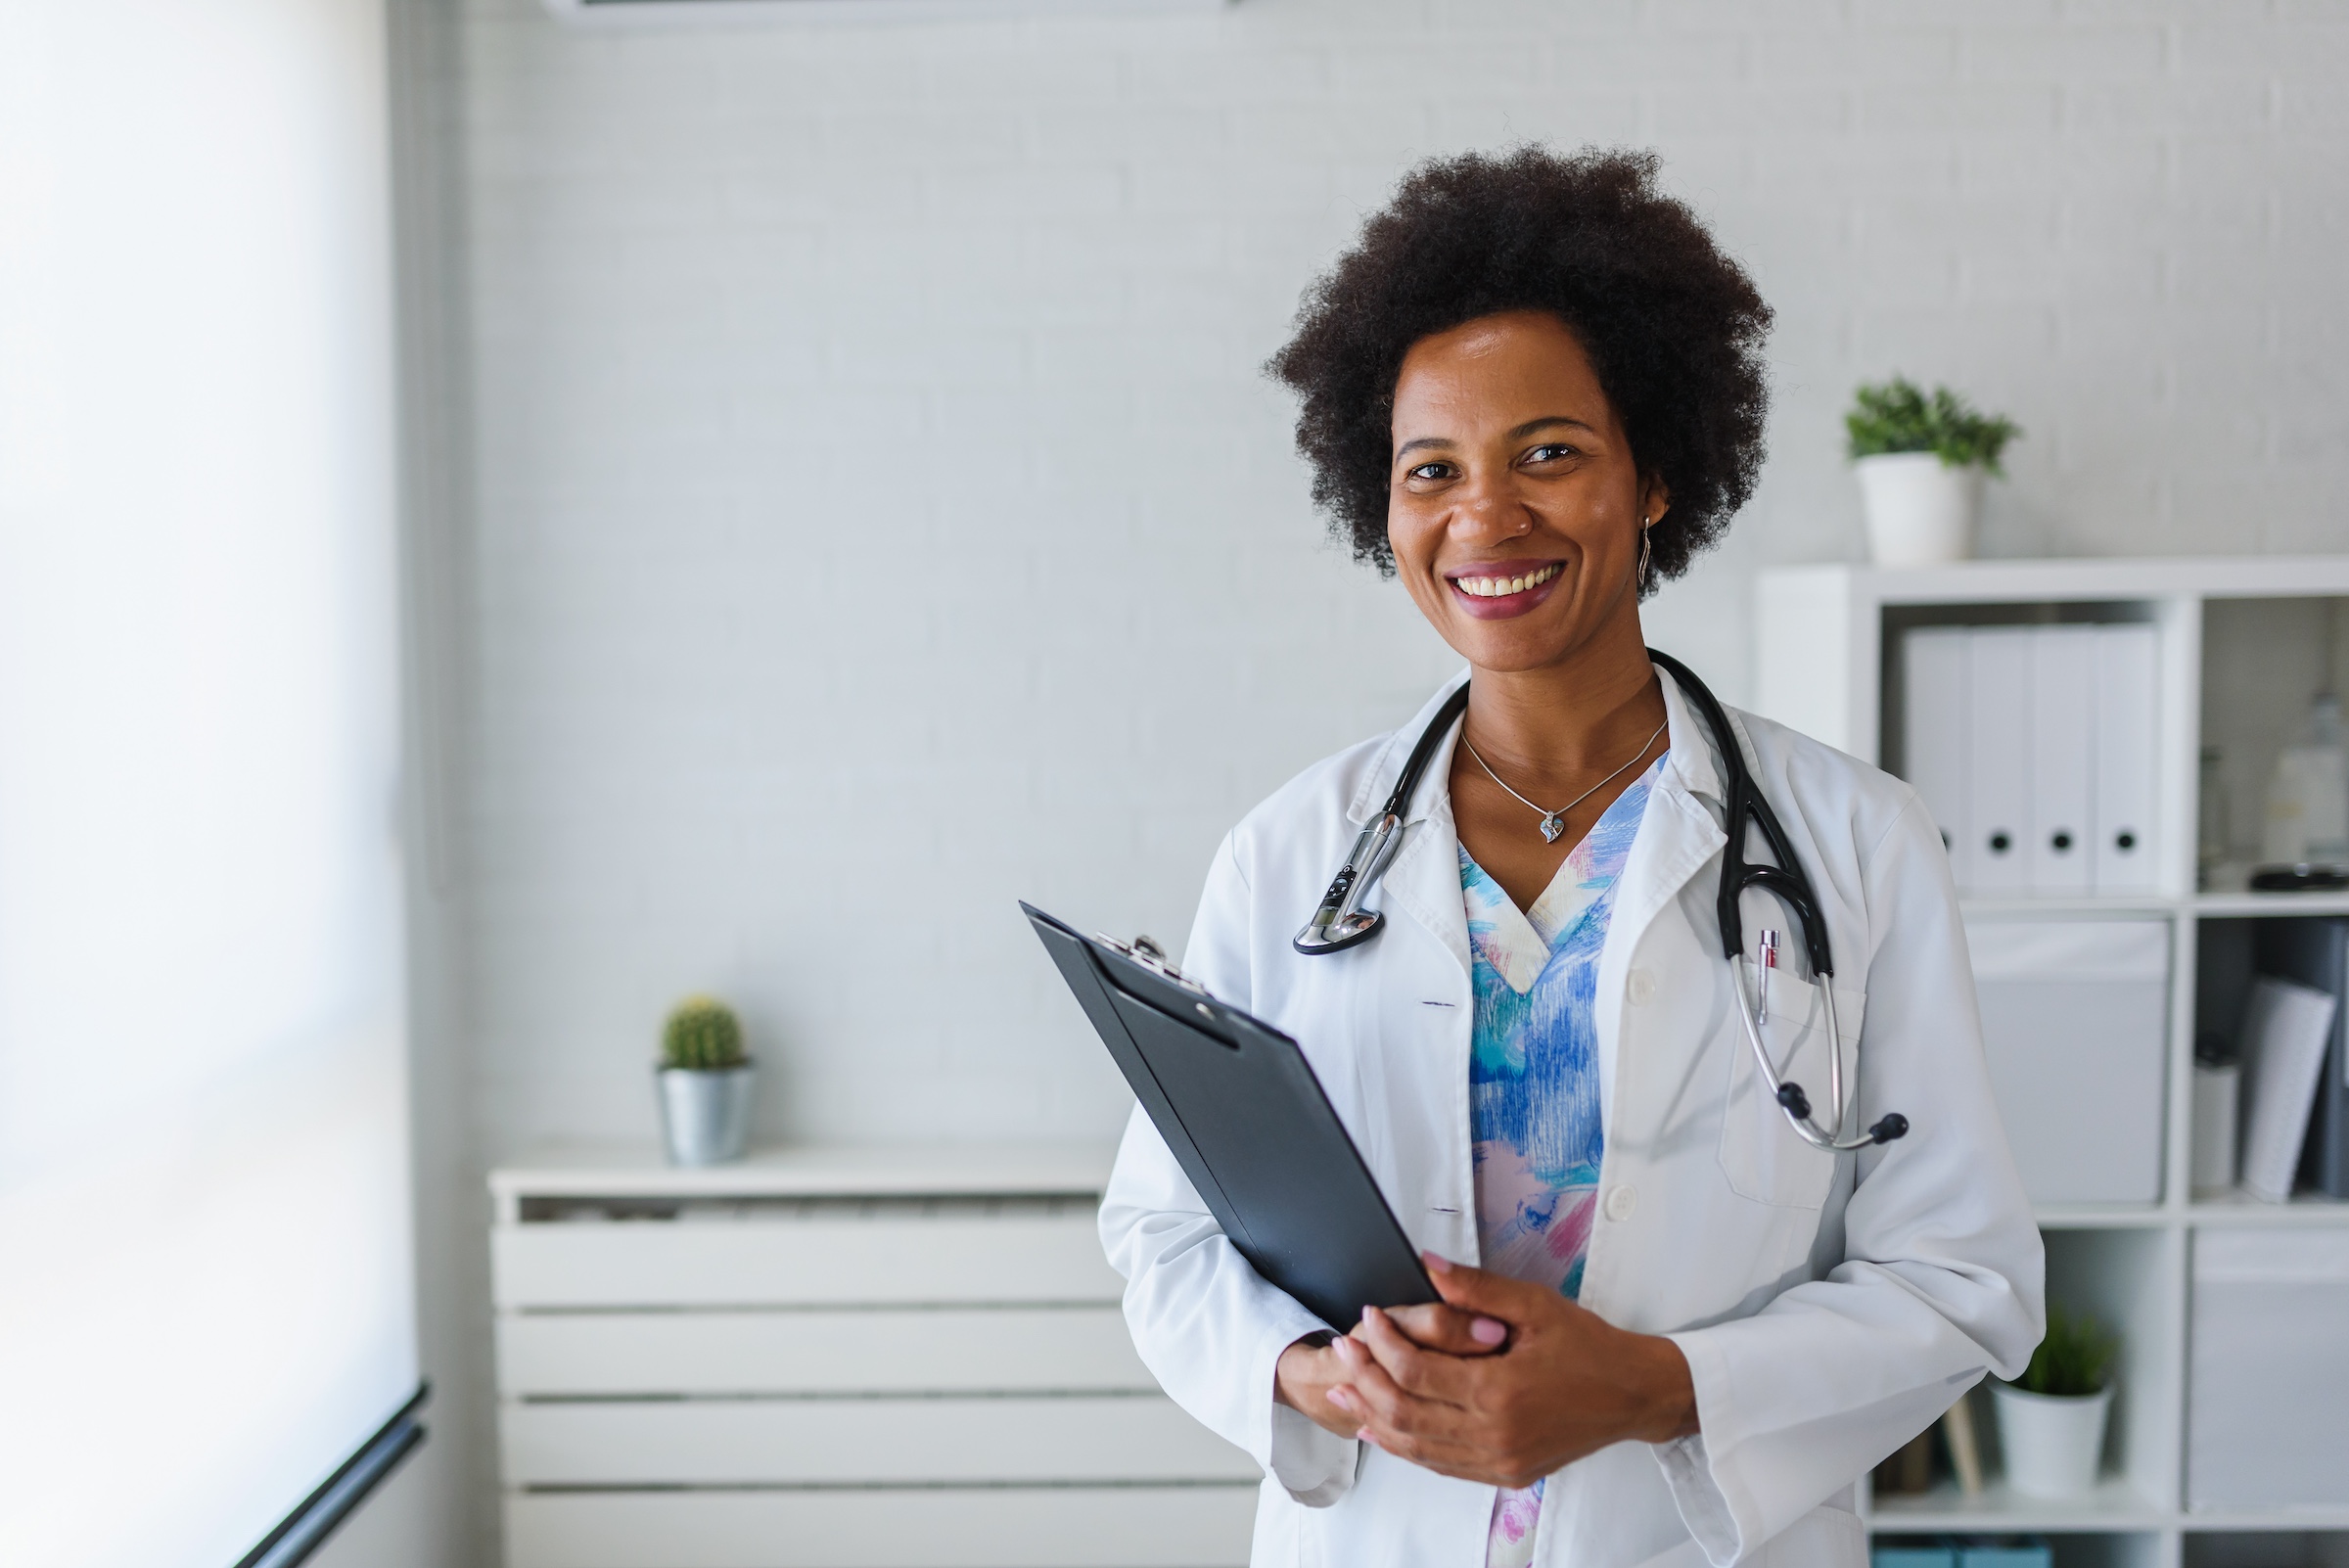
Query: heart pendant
point(1551, 827)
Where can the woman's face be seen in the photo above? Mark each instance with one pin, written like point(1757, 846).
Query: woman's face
point(1514, 506)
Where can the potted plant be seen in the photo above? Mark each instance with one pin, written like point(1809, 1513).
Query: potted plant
point(705, 1083)
point(1920, 461)
point(2051, 1418)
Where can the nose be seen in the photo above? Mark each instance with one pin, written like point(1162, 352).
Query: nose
point(1487, 509)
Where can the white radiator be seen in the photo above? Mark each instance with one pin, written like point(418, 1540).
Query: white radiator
point(836, 1358)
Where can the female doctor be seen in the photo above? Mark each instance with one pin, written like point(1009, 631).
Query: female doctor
point(1673, 1330)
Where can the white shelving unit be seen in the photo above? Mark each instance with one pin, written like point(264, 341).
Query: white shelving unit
point(2245, 642)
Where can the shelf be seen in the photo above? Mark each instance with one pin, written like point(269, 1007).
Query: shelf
point(2278, 1519)
point(2242, 1209)
point(2134, 903)
point(636, 1170)
point(2227, 905)
point(2115, 1504)
point(2229, 1210)
point(2102, 1215)
point(2230, 897)
point(2087, 582)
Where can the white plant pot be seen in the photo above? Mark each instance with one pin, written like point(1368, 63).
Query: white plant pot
point(705, 1116)
point(1920, 510)
point(2053, 1445)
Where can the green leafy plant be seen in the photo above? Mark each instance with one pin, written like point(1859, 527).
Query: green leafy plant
point(2074, 1360)
point(702, 1035)
point(1899, 417)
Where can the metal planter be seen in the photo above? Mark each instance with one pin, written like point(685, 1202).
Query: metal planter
point(706, 1116)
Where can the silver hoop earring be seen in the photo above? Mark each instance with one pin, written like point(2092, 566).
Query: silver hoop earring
point(1641, 579)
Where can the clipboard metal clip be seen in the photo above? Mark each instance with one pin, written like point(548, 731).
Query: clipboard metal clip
point(1146, 951)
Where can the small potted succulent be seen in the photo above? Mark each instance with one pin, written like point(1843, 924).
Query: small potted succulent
point(2051, 1418)
point(1921, 460)
point(705, 1083)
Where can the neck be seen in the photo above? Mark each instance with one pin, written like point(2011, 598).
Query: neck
point(1580, 715)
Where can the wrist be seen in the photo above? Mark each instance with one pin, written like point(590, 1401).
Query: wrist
point(1668, 1391)
point(1293, 1374)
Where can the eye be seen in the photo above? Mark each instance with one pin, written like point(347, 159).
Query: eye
point(1430, 471)
point(1549, 452)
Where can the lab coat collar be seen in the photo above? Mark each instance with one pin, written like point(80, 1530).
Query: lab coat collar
point(1424, 878)
point(1379, 780)
point(1692, 757)
point(1693, 760)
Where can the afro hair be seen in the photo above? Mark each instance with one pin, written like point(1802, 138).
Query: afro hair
point(1673, 325)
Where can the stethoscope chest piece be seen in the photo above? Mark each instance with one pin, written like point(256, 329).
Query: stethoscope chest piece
point(1340, 921)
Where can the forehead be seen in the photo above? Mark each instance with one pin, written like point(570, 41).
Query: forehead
point(1521, 363)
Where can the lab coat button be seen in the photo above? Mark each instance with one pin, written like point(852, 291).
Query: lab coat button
point(1642, 987)
point(1621, 1202)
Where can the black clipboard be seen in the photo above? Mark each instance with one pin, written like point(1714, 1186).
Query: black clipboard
point(1246, 1119)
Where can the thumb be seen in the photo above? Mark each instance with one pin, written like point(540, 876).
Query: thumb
point(1478, 1290)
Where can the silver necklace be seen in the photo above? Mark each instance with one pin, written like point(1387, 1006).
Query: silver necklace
point(1553, 823)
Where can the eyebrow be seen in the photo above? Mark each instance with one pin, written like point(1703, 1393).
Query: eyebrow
point(1440, 443)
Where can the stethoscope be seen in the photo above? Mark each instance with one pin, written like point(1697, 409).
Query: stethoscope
point(1341, 922)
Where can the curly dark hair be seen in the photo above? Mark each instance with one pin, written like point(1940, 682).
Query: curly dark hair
point(1674, 327)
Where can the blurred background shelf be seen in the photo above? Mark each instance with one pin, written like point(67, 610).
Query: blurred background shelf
point(2117, 1505)
point(2242, 1209)
point(2095, 1073)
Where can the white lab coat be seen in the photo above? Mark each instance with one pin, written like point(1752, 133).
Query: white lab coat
point(1830, 1307)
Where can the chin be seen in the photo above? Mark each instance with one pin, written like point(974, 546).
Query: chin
point(1511, 651)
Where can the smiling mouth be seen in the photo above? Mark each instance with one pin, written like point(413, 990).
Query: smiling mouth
point(1501, 588)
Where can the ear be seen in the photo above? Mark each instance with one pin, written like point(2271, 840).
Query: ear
point(1655, 499)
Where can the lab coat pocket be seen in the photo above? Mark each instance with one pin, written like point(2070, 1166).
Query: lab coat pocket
point(1764, 1158)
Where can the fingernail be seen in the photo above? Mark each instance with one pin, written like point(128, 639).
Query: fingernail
point(1341, 1399)
point(1436, 1263)
point(1370, 1312)
point(1349, 1350)
point(1486, 1331)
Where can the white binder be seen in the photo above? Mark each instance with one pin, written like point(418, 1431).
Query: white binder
point(2126, 854)
point(1999, 759)
point(1933, 725)
point(2063, 738)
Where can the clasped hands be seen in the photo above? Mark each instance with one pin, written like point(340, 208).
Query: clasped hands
point(1501, 1382)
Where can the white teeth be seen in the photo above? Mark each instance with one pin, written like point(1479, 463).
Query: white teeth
point(1501, 588)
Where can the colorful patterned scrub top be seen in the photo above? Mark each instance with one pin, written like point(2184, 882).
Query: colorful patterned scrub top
point(1533, 1083)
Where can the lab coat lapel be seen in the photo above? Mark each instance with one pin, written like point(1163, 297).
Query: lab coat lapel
point(1424, 880)
point(1679, 835)
point(1378, 780)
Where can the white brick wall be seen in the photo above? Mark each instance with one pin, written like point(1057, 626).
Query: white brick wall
point(865, 416)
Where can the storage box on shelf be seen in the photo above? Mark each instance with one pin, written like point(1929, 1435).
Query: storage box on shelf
point(783, 1361)
point(2269, 1382)
point(2267, 1548)
point(2238, 647)
point(1960, 1551)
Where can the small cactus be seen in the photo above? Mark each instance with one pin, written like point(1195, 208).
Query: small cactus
point(702, 1035)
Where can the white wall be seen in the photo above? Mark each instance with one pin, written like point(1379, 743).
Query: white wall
point(880, 515)
point(877, 514)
